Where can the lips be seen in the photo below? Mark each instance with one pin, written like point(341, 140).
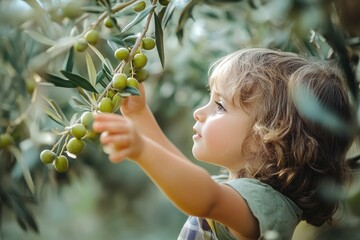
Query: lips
point(196, 134)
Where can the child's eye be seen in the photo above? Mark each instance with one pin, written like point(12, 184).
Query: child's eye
point(220, 107)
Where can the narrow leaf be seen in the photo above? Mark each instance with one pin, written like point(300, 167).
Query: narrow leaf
point(26, 172)
point(112, 45)
point(97, 53)
point(23, 214)
point(138, 18)
point(57, 81)
point(107, 72)
point(168, 13)
point(40, 38)
point(91, 69)
point(79, 80)
point(93, 9)
point(53, 116)
point(87, 98)
point(70, 60)
point(100, 78)
point(159, 39)
point(132, 91)
point(185, 14)
point(57, 110)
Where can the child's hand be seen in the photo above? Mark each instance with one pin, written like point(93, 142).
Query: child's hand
point(119, 135)
point(134, 104)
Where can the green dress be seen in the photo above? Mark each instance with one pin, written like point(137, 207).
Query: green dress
point(274, 211)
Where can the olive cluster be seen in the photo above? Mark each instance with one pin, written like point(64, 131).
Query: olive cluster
point(122, 83)
point(74, 146)
point(121, 80)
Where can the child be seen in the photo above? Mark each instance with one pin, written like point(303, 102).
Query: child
point(276, 159)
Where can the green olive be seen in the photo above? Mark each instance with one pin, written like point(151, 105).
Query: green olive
point(141, 74)
point(121, 53)
point(75, 146)
point(61, 164)
point(132, 82)
point(92, 36)
point(78, 130)
point(87, 120)
point(105, 105)
point(148, 43)
point(139, 6)
point(6, 140)
point(47, 156)
point(119, 81)
point(109, 22)
point(140, 60)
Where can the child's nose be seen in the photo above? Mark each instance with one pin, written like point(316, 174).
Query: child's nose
point(199, 114)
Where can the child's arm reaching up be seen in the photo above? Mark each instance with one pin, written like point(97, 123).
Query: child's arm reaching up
point(136, 109)
point(189, 186)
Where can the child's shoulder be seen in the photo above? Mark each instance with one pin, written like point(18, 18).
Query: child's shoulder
point(273, 210)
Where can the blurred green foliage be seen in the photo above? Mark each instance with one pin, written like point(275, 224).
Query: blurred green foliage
point(96, 199)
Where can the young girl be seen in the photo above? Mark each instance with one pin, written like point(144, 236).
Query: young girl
point(275, 158)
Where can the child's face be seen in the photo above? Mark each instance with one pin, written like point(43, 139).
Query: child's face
point(220, 131)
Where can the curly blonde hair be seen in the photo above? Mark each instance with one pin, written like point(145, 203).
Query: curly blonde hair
point(297, 155)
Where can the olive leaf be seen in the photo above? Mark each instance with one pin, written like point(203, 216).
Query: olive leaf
point(23, 215)
point(93, 9)
point(69, 63)
point(100, 75)
point(57, 81)
point(138, 18)
point(90, 68)
point(159, 39)
point(55, 112)
point(184, 16)
point(40, 38)
point(26, 172)
point(79, 81)
point(131, 90)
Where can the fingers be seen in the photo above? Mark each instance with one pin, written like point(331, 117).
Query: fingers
point(111, 123)
point(118, 141)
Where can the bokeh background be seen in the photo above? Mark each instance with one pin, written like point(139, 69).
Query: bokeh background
point(95, 199)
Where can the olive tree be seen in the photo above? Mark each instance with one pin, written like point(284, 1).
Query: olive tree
point(62, 60)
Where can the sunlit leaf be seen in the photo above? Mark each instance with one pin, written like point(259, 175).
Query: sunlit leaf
point(79, 80)
point(159, 39)
point(57, 110)
point(52, 115)
point(141, 15)
point(102, 58)
point(40, 38)
point(112, 45)
point(44, 58)
point(87, 98)
point(90, 68)
point(97, 52)
point(168, 14)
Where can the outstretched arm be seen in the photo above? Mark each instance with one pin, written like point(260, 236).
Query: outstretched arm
point(188, 186)
point(136, 109)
